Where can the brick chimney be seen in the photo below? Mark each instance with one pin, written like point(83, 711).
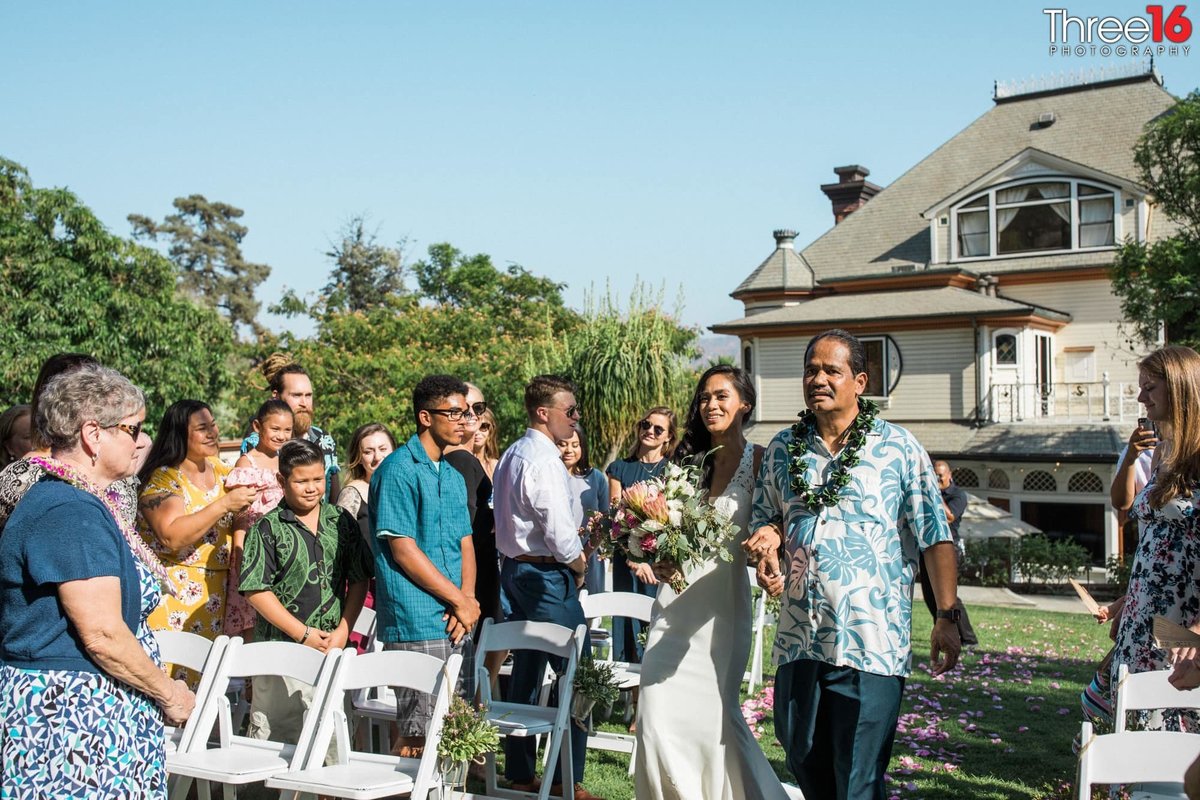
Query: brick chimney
point(851, 192)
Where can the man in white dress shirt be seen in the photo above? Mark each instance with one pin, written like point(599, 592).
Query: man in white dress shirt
point(537, 531)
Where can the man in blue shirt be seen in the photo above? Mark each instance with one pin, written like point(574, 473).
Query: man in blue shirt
point(848, 500)
point(424, 559)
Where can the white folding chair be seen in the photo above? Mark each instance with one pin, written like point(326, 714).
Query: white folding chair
point(520, 719)
point(369, 775)
point(200, 655)
point(364, 626)
point(754, 675)
point(629, 676)
point(238, 760)
point(1154, 759)
point(1142, 691)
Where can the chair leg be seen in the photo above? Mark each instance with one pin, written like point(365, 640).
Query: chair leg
point(204, 790)
point(179, 786)
point(230, 791)
point(566, 760)
point(490, 773)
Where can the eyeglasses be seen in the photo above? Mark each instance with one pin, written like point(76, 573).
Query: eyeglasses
point(452, 414)
point(133, 430)
point(647, 425)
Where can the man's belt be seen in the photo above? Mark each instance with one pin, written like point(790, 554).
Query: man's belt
point(538, 559)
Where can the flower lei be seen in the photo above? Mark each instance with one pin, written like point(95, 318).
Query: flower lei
point(856, 437)
point(69, 474)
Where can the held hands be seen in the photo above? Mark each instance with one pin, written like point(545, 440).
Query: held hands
point(461, 618)
point(944, 647)
point(768, 574)
point(666, 571)
point(179, 706)
point(765, 541)
point(318, 640)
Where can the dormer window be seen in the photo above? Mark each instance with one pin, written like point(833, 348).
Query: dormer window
point(1035, 216)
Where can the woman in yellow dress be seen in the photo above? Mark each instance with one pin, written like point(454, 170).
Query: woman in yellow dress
point(186, 515)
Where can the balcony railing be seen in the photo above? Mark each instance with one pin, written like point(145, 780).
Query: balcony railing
point(1078, 401)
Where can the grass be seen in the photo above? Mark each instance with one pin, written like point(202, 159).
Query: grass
point(999, 726)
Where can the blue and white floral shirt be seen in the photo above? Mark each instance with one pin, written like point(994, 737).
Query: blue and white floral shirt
point(849, 568)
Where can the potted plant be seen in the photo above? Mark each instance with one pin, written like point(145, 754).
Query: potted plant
point(466, 737)
point(595, 683)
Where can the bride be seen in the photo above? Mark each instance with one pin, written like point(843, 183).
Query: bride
point(693, 743)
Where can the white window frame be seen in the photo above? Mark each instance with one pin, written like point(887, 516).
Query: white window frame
point(890, 349)
point(1073, 200)
point(1016, 334)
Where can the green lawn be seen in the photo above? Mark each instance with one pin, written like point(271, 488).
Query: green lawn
point(999, 726)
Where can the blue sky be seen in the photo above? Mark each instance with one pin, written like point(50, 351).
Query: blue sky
point(596, 143)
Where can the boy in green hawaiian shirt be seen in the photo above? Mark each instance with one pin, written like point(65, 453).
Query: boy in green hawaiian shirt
point(305, 570)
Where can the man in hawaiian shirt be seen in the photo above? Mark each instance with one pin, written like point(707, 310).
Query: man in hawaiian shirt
point(848, 501)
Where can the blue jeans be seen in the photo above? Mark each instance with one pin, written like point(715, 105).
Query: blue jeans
point(836, 725)
point(539, 593)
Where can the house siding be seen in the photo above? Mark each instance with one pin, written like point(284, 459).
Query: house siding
point(780, 373)
point(1096, 317)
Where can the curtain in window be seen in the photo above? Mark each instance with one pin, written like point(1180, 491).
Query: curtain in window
point(1096, 222)
point(1005, 216)
point(973, 233)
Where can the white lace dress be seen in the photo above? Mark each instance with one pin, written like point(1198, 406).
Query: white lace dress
point(693, 743)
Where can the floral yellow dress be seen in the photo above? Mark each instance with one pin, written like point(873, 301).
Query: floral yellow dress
point(200, 571)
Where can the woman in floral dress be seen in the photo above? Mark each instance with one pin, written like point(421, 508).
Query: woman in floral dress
point(1165, 579)
point(186, 516)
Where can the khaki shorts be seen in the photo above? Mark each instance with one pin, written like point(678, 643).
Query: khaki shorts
point(277, 710)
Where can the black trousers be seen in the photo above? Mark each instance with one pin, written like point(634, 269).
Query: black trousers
point(965, 631)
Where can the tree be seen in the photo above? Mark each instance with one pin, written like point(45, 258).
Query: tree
point(624, 363)
point(1159, 283)
point(205, 244)
point(364, 272)
point(68, 284)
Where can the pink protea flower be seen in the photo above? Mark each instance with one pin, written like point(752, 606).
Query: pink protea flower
point(655, 508)
point(635, 496)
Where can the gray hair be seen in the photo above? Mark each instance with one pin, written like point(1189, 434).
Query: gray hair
point(89, 392)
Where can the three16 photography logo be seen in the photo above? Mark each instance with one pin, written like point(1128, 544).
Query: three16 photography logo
point(1162, 31)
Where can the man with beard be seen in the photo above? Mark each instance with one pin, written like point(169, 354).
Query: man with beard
point(289, 382)
point(847, 500)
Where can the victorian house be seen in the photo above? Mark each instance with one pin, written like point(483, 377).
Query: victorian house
point(979, 282)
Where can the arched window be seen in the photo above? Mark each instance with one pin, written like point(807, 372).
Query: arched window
point(1033, 216)
point(1040, 481)
point(965, 477)
point(1086, 481)
point(997, 479)
point(883, 365)
point(748, 358)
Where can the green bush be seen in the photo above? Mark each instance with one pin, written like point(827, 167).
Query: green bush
point(1118, 571)
point(988, 562)
point(1040, 559)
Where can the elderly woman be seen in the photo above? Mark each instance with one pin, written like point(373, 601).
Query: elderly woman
point(188, 518)
point(82, 695)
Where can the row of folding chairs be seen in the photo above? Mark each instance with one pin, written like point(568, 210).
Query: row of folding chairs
point(337, 678)
point(1150, 763)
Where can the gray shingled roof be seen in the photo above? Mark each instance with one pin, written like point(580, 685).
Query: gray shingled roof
point(942, 301)
point(1095, 125)
point(784, 267)
point(1019, 441)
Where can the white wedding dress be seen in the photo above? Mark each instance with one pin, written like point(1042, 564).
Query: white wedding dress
point(693, 743)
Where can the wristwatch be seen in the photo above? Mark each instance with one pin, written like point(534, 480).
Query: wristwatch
point(954, 615)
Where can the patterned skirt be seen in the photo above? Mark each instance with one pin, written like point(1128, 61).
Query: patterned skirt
point(78, 734)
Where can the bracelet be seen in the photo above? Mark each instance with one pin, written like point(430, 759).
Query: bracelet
point(307, 631)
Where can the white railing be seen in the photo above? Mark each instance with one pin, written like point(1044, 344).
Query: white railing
point(1080, 401)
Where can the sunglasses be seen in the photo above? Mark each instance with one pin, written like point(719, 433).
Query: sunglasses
point(486, 426)
point(133, 430)
point(479, 408)
point(646, 425)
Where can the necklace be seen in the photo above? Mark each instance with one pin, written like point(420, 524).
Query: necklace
point(825, 495)
point(65, 472)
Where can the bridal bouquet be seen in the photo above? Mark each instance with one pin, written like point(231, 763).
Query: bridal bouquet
point(666, 519)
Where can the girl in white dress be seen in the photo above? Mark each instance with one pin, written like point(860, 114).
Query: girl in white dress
point(693, 743)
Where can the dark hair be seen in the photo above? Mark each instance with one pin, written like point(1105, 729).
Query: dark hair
point(672, 432)
point(584, 465)
point(298, 453)
point(355, 467)
point(697, 441)
point(170, 445)
point(433, 388)
point(272, 406)
point(858, 353)
point(277, 366)
point(8, 420)
point(541, 390)
point(52, 367)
